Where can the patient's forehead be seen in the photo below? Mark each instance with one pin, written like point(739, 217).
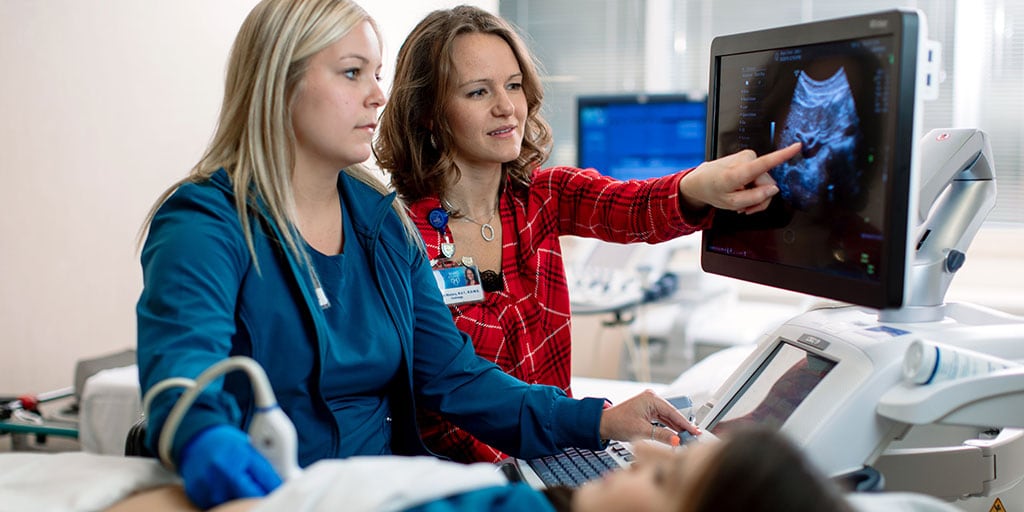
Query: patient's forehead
point(692, 453)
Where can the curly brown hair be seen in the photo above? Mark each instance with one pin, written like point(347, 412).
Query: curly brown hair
point(414, 140)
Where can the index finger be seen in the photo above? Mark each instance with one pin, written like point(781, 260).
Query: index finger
point(757, 167)
point(769, 160)
point(672, 418)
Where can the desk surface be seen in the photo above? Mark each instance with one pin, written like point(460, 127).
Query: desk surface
point(615, 390)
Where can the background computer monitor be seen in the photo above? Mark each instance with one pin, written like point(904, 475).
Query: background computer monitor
point(638, 136)
point(846, 89)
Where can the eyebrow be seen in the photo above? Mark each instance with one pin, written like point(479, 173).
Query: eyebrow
point(354, 56)
point(488, 80)
point(678, 471)
point(365, 61)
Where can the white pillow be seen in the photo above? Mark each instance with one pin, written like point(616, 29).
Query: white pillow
point(898, 502)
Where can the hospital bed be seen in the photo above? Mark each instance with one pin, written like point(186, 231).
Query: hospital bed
point(104, 477)
point(77, 481)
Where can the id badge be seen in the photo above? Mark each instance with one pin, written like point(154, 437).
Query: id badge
point(459, 283)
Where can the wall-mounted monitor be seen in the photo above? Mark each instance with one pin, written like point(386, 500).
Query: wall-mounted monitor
point(638, 136)
point(848, 90)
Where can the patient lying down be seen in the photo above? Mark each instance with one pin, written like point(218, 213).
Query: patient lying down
point(752, 470)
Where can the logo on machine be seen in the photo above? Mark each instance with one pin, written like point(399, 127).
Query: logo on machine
point(881, 23)
point(814, 341)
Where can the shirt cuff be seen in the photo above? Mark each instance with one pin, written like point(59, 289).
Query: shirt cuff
point(580, 422)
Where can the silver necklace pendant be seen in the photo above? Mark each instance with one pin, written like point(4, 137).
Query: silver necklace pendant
point(486, 229)
point(486, 232)
point(447, 249)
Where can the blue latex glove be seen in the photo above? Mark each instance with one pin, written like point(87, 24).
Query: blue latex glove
point(219, 464)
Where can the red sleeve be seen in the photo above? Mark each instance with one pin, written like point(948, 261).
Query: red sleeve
point(445, 438)
point(596, 206)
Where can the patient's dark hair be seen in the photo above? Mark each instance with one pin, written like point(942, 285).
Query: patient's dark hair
point(755, 469)
point(759, 470)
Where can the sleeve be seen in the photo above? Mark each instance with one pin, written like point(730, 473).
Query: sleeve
point(192, 262)
point(597, 206)
point(517, 418)
point(444, 438)
point(506, 498)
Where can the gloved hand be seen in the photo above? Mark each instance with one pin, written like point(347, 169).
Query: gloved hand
point(220, 464)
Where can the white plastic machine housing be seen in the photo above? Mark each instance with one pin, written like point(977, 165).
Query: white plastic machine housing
point(837, 422)
point(955, 440)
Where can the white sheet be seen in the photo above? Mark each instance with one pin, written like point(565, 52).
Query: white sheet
point(86, 482)
point(74, 481)
point(384, 484)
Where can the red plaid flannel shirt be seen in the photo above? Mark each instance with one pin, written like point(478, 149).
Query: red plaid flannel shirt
point(525, 328)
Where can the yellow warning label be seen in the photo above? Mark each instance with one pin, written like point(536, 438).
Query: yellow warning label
point(997, 506)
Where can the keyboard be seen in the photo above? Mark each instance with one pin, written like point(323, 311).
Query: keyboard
point(576, 466)
point(573, 467)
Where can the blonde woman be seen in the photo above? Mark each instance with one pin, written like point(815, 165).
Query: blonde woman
point(281, 247)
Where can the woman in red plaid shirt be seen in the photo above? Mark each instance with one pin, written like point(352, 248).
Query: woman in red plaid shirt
point(463, 139)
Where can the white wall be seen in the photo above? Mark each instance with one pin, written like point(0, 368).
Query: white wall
point(103, 104)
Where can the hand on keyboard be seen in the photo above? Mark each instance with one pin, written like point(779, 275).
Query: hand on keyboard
point(635, 418)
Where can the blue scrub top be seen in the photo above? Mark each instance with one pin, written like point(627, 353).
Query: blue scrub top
point(194, 311)
point(362, 354)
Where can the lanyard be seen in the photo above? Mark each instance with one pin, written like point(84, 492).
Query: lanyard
point(438, 218)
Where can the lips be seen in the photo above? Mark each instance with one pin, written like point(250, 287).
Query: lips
point(502, 131)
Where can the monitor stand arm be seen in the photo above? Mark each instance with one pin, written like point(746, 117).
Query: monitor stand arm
point(958, 190)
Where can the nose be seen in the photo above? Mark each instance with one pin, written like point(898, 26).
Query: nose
point(503, 106)
point(376, 99)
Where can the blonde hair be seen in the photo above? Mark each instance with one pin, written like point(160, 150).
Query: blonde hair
point(415, 140)
point(254, 139)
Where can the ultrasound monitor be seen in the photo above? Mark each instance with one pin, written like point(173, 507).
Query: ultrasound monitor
point(639, 136)
point(847, 89)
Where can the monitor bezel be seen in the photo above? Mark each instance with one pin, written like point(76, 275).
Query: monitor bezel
point(587, 100)
point(888, 291)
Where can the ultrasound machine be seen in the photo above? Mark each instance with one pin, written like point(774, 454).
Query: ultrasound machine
point(875, 218)
point(878, 218)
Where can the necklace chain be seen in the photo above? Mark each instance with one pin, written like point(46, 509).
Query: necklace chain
point(486, 229)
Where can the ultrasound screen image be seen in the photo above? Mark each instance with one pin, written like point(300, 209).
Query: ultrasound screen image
point(834, 98)
point(823, 118)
